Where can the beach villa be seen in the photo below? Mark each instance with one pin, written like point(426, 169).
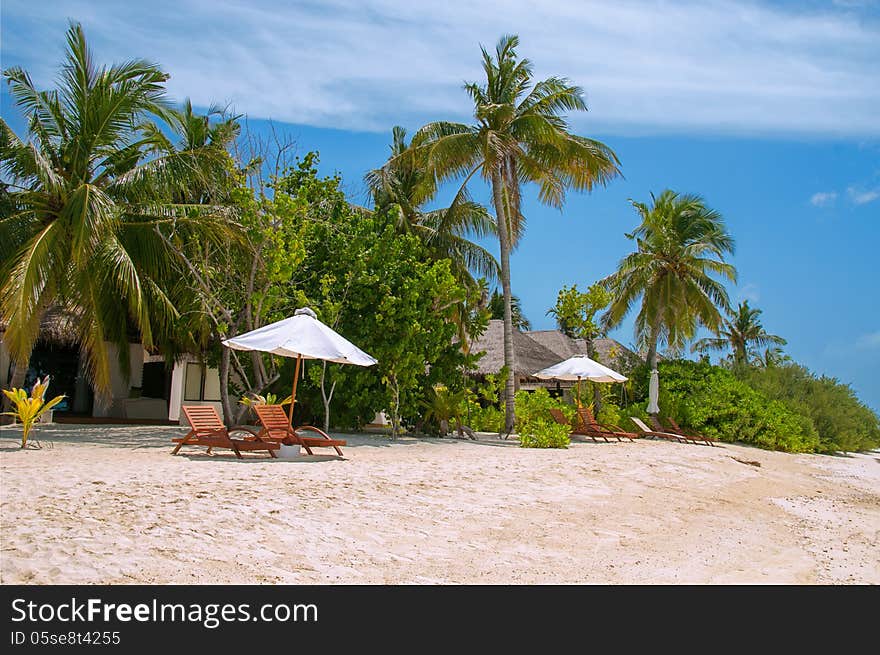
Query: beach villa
point(152, 391)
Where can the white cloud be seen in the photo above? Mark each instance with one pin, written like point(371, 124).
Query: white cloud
point(862, 197)
point(823, 198)
point(722, 66)
point(869, 341)
point(749, 292)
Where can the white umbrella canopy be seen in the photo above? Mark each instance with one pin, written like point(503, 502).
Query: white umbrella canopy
point(302, 336)
point(580, 367)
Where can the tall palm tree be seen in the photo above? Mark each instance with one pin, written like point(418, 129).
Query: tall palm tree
point(681, 243)
point(743, 333)
point(520, 135)
point(496, 311)
point(88, 189)
point(407, 187)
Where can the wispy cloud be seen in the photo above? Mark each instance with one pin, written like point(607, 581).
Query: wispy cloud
point(869, 341)
point(862, 197)
point(749, 292)
point(823, 198)
point(722, 66)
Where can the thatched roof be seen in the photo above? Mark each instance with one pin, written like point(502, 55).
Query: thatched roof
point(56, 327)
point(529, 355)
point(539, 349)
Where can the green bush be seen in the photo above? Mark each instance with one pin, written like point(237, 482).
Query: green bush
point(534, 406)
point(484, 419)
point(610, 414)
point(543, 434)
point(711, 400)
point(841, 421)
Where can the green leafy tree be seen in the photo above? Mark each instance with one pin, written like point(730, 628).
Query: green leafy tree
point(520, 136)
point(575, 313)
point(89, 186)
point(681, 244)
point(743, 334)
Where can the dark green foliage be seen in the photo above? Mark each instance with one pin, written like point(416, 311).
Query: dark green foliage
point(711, 400)
point(842, 422)
point(381, 290)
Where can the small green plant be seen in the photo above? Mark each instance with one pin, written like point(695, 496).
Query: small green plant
point(442, 406)
point(268, 399)
point(542, 434)
point(28, 409)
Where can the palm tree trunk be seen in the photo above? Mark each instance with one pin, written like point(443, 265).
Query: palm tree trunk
point(504, 243)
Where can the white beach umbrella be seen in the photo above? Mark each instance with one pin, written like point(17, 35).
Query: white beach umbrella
point(302, 336)
point(654, 393)
point(580, 367)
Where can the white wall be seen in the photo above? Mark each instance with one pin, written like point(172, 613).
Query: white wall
point(178, 388)
point(120, 385)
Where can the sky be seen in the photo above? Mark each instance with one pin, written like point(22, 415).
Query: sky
point(769, 110)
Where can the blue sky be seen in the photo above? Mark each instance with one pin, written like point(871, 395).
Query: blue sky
point(769, 110)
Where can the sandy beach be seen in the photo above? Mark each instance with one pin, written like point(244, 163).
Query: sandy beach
point(109, 504)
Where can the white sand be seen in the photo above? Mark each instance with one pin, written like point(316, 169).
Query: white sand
point(111, 505)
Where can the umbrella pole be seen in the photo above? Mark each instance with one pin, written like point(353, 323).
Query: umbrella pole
point(579, 391)
point(293, 394)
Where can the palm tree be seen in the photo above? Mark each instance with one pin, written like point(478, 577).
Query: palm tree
point(743, 333)
point(496, 311)
point(681, 244)
point(520, 136)
point(406, 187)
point(88, 191)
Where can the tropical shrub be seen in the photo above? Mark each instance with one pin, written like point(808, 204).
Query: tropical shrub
point(841, 421)
point(711, 400)
point(533, 406)
point(485, 419)
point(28, 409)
point(543, 434)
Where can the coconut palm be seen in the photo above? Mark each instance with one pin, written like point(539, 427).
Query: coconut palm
point(681, 244)
point(406, 187)
point(86, 193)
point(496, 311)
point(520, 135)
point(743, 333)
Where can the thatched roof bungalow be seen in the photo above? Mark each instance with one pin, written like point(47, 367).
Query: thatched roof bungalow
point(538, 349)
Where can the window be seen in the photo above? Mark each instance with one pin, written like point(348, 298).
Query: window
point(201, 383)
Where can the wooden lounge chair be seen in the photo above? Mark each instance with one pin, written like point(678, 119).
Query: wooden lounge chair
point(588, 422)
point(559, 417)
point(588, 425)
point(657, 425)
point(207, 429)
point(661, 434)
point(276, 428)
point(690, 434)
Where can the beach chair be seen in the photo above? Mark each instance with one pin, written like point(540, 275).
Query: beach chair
point(559, 417)
point(659, 427)
point(661, 434)
point(276, 427)
point(207, 429)
point(588, 425)
point(690, 434)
